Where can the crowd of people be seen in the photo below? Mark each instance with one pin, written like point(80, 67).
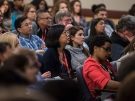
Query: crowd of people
point(42, 48)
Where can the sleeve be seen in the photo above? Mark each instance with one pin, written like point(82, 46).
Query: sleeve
point(97, 76)
point(50, 63)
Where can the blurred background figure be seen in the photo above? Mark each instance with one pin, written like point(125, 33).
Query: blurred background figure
point(5, 9)
point(132, 10)
point(5, 52)
point(76, 10)
point(60, 5)
point(40, 5)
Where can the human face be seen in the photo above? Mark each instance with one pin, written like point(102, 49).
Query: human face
point(32, 14)
point(64, 38)
point(100, 27)
point(18, 3)
point(42, 5)
point(26, 27)
point(78, 39)
point(77, 7)
point(103, 52)
point(44, 20)
point(102, 14)
point(31, 71)
point(63, 7)
point(66, 21)
point(5, 5)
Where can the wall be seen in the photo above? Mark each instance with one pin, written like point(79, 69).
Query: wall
point(118, 5)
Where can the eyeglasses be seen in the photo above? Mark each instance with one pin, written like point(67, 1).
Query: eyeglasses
point(108, 49)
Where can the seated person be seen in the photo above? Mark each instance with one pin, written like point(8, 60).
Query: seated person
point(24, 28)
point(57, 59)
point(97, 71)
point(78, 52)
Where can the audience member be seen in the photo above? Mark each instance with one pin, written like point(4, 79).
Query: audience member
point(5, 51)
point(63, 18)
point(44, 20)
point(10, 38)
point(97, 71)
point(97, 28)
point(24, 28)
point(126, 26)
point(40, 5)
point(60, 5)
point(132, 10)
point(16, 11)
point(6, 11)
point(76, 11)
point(30, 13)
point(18, 70)
point(78, 53)
point(57, 59)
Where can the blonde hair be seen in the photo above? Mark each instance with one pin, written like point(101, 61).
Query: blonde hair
point(27, 8)
point(10, 38)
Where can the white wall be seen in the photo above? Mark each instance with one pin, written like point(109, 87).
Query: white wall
point(120, 5)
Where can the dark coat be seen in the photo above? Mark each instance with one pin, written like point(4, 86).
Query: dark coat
point(52, 63)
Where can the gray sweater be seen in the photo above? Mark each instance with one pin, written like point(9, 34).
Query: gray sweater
point(77, 56)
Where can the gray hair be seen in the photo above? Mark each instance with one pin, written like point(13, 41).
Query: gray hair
point(60, 14)
point(126, 23)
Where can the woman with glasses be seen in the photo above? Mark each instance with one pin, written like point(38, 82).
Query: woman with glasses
point(97, 71)
point(57, 59)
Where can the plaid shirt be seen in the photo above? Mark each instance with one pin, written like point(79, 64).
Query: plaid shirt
point(33, 42)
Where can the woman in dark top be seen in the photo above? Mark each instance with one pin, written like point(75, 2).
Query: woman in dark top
point(57, 59)
point(97, 28)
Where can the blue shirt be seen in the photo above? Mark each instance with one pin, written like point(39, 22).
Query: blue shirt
point(33, 42)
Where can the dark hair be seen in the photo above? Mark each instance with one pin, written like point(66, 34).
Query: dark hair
point(98, 41)
point(16, 62)
point(73, 30)
point(53, 35)
point(99, 9)
point(72, 6)
point(18, 22)
point(93, 31)
point(126, 67)
point(132, 10)
point(126, 23)
point(95, 7)
point(6, 14)
point(3, 46)
point(37, 2)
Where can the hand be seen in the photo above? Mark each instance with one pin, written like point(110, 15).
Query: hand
point(46, 74)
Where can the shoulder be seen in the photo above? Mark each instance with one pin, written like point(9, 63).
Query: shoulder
point(90, 62)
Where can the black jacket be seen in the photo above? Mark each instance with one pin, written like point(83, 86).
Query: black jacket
point(52, 63)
